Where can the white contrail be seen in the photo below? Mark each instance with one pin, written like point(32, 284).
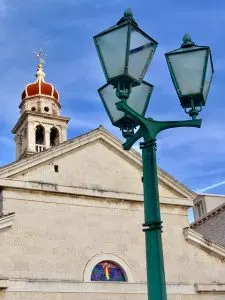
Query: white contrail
point(211, 186)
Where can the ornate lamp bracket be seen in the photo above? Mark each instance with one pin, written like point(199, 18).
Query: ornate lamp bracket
point(149, 128)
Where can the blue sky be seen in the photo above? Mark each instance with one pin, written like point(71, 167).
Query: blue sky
point(64, 28)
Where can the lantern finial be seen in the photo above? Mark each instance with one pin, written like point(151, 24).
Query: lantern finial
point(128, 13)
point(187, 41)
point(127, 16)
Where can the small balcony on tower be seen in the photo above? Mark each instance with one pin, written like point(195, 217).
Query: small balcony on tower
point(39, 148)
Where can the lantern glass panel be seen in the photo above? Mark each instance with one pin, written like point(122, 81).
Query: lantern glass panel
point(188, 69)
point(109, 98)
point(140, 54)
point(208, 77)
point(138, 101)
point(112, 47)
point(139, 98)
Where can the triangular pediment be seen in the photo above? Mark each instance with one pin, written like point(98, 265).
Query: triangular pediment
point(95, 160)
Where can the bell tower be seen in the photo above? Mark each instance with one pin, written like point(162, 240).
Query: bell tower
point(40, 125)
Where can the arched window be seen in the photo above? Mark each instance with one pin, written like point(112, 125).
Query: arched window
point(54, 137)
point(40, 135)
point(107, 271)
point(40, 138)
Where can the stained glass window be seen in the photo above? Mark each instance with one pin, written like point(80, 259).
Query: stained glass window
point(107, 271)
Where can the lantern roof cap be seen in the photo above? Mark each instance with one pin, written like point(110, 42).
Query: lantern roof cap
point(187, 41)
point(127, 17)
point(187, 45)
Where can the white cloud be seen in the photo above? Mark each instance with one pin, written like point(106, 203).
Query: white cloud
point(212, 186)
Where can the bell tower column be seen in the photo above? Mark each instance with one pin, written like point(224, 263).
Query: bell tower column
point(30, 137)
point(47, 137)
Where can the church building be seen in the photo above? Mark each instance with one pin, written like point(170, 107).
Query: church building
point(71, 214)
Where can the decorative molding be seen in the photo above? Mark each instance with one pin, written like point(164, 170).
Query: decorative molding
point(72, 286)
point(199, 240)
point(110, 257)
point(213, 288)
point(6, 221)
point(26, 114)
point(81, 191)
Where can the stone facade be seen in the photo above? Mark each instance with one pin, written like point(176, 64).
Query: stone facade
point(63, 221)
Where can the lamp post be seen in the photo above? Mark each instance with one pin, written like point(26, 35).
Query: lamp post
point(125, 52)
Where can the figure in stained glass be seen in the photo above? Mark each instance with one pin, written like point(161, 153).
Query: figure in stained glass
point(107, 271)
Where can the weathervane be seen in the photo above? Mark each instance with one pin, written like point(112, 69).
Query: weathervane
point(41, 56)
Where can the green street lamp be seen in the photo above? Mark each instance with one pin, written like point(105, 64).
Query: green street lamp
point(191, 70)
point(126, 97)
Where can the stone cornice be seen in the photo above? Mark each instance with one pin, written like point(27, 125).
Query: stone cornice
point(6, 221)
point(200, 241)
point(26, 114)
point(73, 286)
point(85, 192)
point(212, 288)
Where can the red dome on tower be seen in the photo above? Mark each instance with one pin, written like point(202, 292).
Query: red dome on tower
point(40, 87)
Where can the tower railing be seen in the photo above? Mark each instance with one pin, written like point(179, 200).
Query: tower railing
point(40, 148)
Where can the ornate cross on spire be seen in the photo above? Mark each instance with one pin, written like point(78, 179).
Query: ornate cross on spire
point(41, 56)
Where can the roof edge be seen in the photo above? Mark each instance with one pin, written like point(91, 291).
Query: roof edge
point(98, 133)
point(211, 214)
point(205, 244)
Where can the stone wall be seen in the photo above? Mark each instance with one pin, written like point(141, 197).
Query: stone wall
point(45, 253)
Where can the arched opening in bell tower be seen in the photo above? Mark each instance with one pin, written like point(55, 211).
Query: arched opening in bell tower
point(40, 138)
point(54, 137)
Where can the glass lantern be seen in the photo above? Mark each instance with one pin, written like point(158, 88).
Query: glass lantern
point(191, 69)
point(138, 101)
point(125, 51)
